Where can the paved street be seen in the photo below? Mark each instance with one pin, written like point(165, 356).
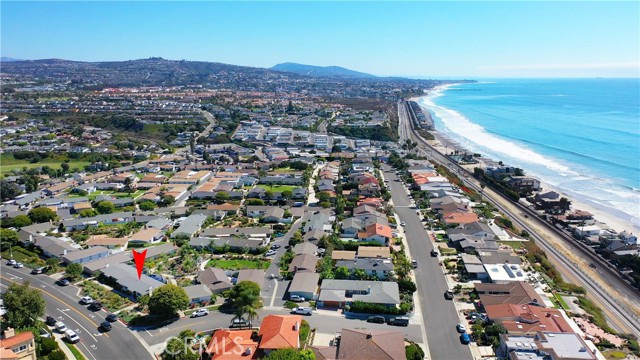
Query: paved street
point(439, 315)
point(62, 303)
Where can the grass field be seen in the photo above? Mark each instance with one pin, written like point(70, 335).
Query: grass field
point(278, 188)
point(514, 244)
point(8, 163)
point(238, 264)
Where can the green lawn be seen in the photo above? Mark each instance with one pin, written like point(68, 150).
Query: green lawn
point(279, 188)
point(284, 169)
point(28, 258)
point(238, 264)
point(8, 163)
point(75, 351)
point(561, 301)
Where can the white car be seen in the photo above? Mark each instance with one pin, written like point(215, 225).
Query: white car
point(11, 262)
point(402, 224)
point(18, 265)
point(86, 300)
point(302, 310)
point(200, 312)
point(61, 327)
point(3, 310)
point(72, 336)
point(461, 328)
point(270, 253)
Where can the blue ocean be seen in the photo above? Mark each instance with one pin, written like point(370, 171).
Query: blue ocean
point(582, 136)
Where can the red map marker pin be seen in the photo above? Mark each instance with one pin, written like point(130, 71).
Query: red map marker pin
point(138, 258)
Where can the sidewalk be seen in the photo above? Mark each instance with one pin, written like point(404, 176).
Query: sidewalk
point(63, 346)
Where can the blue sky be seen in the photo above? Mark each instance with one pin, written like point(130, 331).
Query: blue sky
point(432, 39)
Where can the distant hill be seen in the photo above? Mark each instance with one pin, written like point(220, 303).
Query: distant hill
point(312, 70)
point(8, 59)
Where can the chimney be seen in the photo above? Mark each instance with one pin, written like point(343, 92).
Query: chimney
point(64, 252)
point(369, 336)
point(296, 327)
point(9, 333)
point(369, 289)
point(247, 351)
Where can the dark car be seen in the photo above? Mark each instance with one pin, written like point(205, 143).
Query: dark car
point(434, 253)
point(105, 326)
point(39, 270)
point(275, 246)
point(112, 317)
point(376, 319)
point(62, 282)
point(51, 321)
point(465, 338)
point(399, 321)
point(95, 306)
point(448, 295)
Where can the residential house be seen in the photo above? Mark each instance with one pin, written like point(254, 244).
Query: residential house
point(343, 255)
point(527, 319)
point(337, 293)
point(20, 346)
point(513, 292)
point(190, 226)
point(357, 344)
point(254, 211)
point(255, 275)
point(273, 215)
point(147, 236)
point(504, 273)
point(305, 284)
point(87, 255)
point(545, 345)
point(474, 267)
point(305, 248)
point(198, 293)
point(320, 221)
point(52, 246)
point(113, 244)
point(351, 227)
point(303, 263)
point(376, 232)
point(127, 278)
point(380, 268)
point(471, 243)
point(379, 252)
point(232, 345)
point(279, 332)
point(215, 279)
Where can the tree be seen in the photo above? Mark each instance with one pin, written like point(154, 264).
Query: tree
point(323, 197)
point(73, 271)
point(65, 167)
point(8, 238)
point(41, 214)
point(291, 354)
point(342, 273)
point(52, 262)
point(414, 352)
point(24, 305)
point(222, 196)
point(286, 194)
point(105, 207)
point(168, 300)
point(31, 182)
point(168, 200)
point(147, 205)
point(9, 190)
point(269, 194)
point(88, 213)
point(254, 202)
point(246, 298)
point(128, 185)
point(21, 221)
point(56, 355)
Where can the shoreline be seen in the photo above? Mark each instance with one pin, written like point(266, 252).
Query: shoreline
point(604, 217)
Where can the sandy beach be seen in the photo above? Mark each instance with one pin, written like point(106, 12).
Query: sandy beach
point(616, 222)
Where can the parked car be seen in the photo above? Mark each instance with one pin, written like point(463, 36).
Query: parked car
point(44, 333)
point(39, 270)
point(402, 224)
point(275, 246)
point(86, 300)
point(434, 253)
point(18, 265)
point(376, 319)
point(95, 306)
point(11, 262)
point(399, 321)
point(414, 264)
point(105, 326)
point(461, 328)
point(297, 298)
point(61, 327)
point(302, 311)
point(71, 336)
point(270, 253)
point(62, 282)
point(200, 312)
point(112, 317)
point(448, 295)
point(239, 323)
point(50, 320)
point(3, 310)
point(465, 338)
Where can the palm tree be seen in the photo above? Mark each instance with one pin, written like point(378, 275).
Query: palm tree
point(482, 186)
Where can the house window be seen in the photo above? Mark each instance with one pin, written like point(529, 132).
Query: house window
point(20, 348)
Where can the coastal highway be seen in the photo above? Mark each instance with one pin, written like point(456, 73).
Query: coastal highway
point(62, 303)
point(439, 315)
point(621, 315)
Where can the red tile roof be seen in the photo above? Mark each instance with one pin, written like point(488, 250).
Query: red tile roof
point(232, 345)
point(376, 229)
point(21, 338)
point(526, 319)
point(280, 332)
